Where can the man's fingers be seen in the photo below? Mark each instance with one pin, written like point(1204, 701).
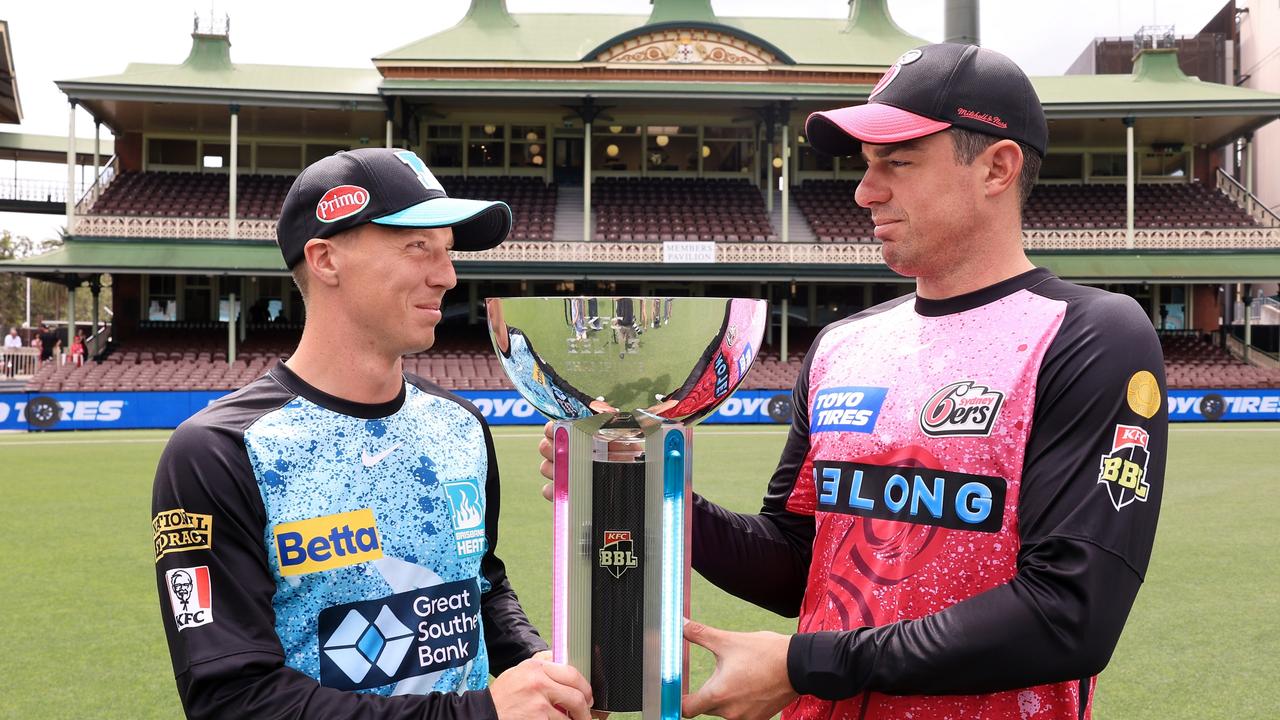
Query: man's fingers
point(696, 704)
point(546, 492)
point(702, 635)
point(569, 700)
point(544, 449)
point(548, 429)
point(569, 676)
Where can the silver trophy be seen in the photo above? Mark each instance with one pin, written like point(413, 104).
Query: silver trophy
point(625, 379)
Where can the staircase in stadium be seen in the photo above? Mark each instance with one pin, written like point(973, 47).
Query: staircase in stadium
point(569, 201)
point(798, 228)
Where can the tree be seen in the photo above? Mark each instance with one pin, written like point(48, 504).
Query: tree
point(13, 286)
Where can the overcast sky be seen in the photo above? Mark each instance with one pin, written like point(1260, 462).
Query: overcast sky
point(81, 38)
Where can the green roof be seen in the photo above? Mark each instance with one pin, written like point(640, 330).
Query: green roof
point(209, 68)
point(626, 88)
point(869, 37)
point(260, 258)
point(1156, 78)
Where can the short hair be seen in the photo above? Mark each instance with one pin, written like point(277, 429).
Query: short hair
point(968, 145)
point(299, 273)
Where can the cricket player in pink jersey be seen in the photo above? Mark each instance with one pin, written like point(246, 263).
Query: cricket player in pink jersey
point(966, 502)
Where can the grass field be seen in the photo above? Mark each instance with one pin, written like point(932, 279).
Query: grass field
point(80, 633)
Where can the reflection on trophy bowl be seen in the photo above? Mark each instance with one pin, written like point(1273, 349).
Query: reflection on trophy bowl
point(640, 359)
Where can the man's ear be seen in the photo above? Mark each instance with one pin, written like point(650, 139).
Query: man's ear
point(322, 262)
point(1003, 163)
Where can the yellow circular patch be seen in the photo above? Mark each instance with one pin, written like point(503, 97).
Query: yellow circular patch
point(1144, 393)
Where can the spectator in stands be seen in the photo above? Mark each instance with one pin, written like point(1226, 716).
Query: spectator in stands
point(337, 494)
point(966, 501)
point(258, 314)
point(11, 341)
point(77, 349)
point(50, 343)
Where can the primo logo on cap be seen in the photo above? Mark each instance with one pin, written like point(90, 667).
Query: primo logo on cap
point(341, 202)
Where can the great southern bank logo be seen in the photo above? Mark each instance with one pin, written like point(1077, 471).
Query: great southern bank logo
point(377, 642)
point(467, 510)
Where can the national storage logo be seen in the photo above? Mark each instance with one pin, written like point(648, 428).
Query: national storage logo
point(179, 531)
point(327, 543)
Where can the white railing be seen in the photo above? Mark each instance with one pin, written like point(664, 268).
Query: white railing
point(1260, 213)
point(106, 174)
point(1155, 239)
point(1252, 238)
point(21, 189)
point(143, 226)
point(19, 363)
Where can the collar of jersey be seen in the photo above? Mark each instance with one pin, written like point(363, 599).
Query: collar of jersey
point(366, 411)
point(983, 296)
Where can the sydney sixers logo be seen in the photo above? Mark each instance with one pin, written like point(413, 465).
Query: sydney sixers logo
point(963, 408)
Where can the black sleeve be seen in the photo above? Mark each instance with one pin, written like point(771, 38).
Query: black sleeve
point(508, 634)
point(208, 514)
point(1085, 543)
point(764, 558)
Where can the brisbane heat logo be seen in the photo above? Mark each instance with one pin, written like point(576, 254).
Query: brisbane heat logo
point(962, 408)
point(341, 202)
point(618, 555)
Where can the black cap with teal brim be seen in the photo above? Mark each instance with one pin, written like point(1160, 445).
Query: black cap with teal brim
point(387, 187)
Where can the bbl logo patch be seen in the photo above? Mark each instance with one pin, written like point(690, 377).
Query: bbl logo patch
point(962, 408)
point(1124, 469)
point(191, 595)
point(617, 556)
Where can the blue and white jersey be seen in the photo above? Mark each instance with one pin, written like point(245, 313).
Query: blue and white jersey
point(537, 382)
point(352, 543)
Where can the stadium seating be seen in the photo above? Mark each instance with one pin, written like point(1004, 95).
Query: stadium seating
point(1192, 360)
point(659, 209)
point(204, 195)
point(829, 208)
point(533, 202)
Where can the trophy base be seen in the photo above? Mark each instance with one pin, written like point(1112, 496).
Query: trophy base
point(620, 566)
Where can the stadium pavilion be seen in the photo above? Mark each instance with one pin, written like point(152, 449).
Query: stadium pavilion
point(660, 154)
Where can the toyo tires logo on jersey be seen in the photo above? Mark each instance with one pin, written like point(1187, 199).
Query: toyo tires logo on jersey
point(963, 408)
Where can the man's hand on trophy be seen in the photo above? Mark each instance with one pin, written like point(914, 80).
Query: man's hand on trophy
point(538, 689)
point(750, 680)
point(619, 451)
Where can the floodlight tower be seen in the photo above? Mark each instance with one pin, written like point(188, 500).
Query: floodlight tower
point(961, 22)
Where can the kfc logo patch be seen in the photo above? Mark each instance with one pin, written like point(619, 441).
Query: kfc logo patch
point(1124, 469)
point(191, 596)
point(341, 202)
point(962, 408)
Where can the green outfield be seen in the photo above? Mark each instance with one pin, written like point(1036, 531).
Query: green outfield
point(80, 633)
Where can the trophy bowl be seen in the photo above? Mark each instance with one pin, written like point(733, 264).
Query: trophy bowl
point(625, 379)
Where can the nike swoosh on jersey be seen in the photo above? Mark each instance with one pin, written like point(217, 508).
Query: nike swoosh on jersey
point(371, 460)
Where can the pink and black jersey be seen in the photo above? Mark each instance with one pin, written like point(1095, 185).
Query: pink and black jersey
point(965, 506)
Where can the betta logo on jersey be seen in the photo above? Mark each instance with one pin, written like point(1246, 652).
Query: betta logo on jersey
point(191, 596)
point(341, 202)
point(618, 553)
point(962, 408)
point(852, 409)
point(327, 543)
point(1124, 469)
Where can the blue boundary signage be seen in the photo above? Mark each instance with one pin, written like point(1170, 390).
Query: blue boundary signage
point(136, 410)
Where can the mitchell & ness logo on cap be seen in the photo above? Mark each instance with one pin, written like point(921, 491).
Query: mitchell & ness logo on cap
point(341, 202)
